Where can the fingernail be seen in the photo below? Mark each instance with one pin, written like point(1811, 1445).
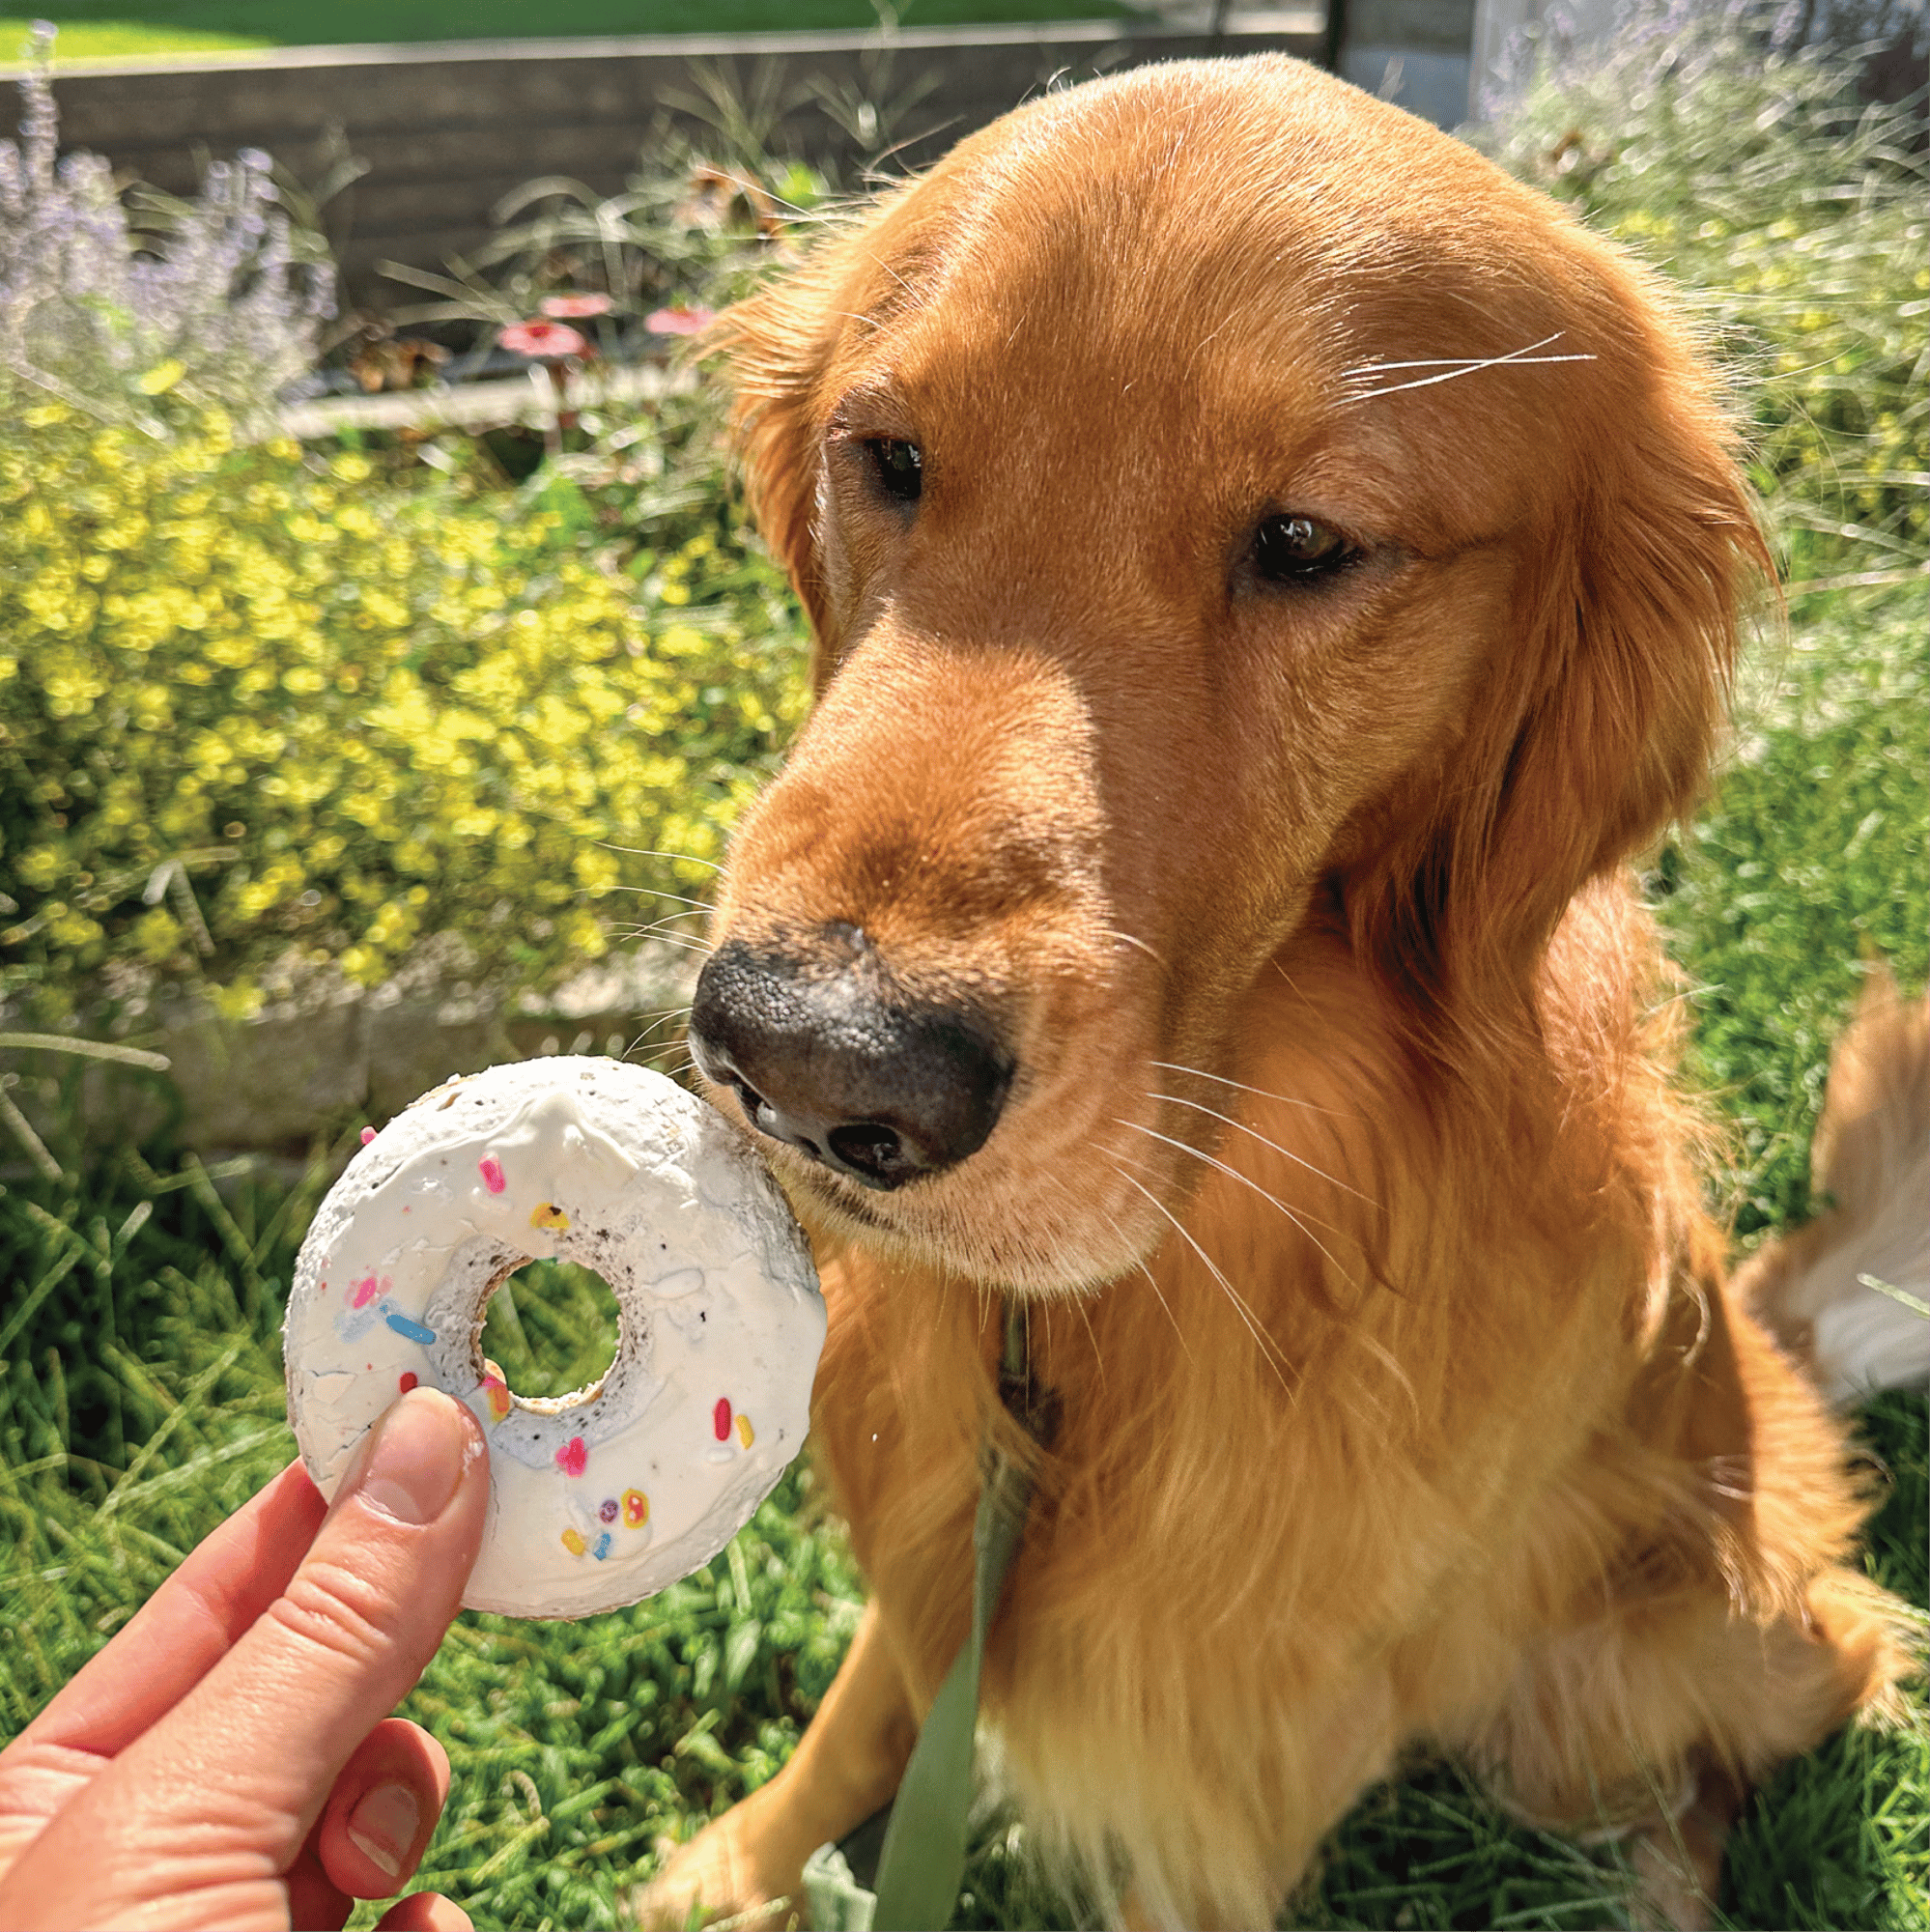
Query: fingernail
point(384, 1825)
point(410, 1467)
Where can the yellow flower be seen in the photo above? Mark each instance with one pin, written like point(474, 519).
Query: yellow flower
point(369, 694)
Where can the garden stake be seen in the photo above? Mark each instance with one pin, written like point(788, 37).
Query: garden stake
point(923, 1855)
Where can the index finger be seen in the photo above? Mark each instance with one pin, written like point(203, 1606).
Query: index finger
point(189, 1624)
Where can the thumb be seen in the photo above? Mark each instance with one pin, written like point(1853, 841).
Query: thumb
point(214, 1805)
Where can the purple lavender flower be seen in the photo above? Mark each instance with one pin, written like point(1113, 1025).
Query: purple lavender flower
point(91, 307)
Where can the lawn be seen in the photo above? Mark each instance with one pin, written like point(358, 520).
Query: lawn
point(123, 29)
point(140, 1387)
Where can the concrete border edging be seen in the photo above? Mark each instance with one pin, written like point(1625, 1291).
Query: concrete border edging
point(310, 1065)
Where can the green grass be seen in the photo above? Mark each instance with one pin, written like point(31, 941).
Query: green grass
point(1808, 860)
point(97, 30)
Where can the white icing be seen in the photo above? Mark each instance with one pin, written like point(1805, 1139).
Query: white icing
point(621, 1171)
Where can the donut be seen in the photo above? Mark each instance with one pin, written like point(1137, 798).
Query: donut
point(607, 1494)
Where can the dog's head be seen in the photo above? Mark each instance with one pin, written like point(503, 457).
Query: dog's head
point(1223, 502)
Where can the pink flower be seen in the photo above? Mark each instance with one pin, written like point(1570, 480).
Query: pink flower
point(678, 320)
point(569, 308)
point(542, 341)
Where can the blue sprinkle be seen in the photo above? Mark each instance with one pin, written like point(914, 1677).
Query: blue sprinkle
point(352, 1323)
point(403, 1325)
point(600, 1549)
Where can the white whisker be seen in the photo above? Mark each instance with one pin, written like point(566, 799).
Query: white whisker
point(1270, 1350)
point(1259, 1093)
point(1428, 381)
point(1286, 1153)
point(653, 893)
point(1127, 939)
point(917, 294)
point(656, 1021)
point(1185, 1347)
point(651, 852)
point(669, 939)
point(667, 925)
point(1442, 362)
point(1099, 1361)
point(1451, 368)
point(1246, 1180)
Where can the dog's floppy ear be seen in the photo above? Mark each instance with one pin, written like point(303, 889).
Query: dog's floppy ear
point(779, 345)
point(1611, 694)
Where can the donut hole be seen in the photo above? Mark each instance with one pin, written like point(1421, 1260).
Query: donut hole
point(551, 1328)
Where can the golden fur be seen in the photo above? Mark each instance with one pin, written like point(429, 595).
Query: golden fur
point(1403, 1397)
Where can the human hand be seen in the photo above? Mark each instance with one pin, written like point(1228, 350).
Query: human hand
point(229, 1759)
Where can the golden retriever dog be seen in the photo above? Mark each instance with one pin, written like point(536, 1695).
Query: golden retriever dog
point(1270, 571)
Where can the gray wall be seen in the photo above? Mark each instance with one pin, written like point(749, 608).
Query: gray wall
point(447, 128)
point(1414, 52)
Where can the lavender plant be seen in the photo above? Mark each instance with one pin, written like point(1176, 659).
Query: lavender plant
point(216, 299)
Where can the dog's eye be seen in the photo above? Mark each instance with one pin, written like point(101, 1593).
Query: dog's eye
point(1292, 550)
point(900, 467)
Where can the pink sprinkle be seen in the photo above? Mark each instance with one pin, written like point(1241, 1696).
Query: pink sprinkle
point(572, 1457)
point(491, 1169)
point(405, 1380)
point(363, 1292)
point(368, 1134)
point(720, 1418)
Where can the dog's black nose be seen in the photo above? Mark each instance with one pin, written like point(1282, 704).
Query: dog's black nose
point(826, 1054)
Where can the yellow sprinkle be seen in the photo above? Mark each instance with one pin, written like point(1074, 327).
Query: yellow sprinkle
point(573, 1542)
point(744, 1431)
point(545, 1214)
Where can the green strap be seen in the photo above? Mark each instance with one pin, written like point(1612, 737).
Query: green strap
point(924, 1858)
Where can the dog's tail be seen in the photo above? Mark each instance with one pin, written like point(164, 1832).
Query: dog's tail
point(1849, 1292)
